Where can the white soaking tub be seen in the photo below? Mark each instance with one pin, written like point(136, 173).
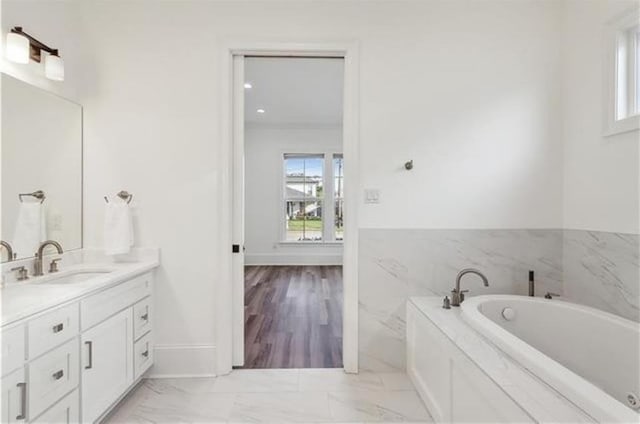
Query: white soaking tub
point(590, 357)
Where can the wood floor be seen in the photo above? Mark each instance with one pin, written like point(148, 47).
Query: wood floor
point(293, 317)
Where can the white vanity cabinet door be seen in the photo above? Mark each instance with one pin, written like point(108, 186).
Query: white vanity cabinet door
point(13, 348)
point(67, 411)
point(14, 398)
point(107, 365)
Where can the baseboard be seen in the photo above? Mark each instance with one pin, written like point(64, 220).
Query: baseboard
point(288, 259)
point(173, 361)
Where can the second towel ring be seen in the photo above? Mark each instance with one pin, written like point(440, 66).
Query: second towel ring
point(124, 195)
point(38, 194)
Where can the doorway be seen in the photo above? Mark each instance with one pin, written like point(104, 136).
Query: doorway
point(230, 325)
point(293, 205)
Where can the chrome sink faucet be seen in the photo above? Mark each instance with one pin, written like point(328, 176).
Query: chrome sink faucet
point(10, 254)
point(37, 264)
point(457, 295)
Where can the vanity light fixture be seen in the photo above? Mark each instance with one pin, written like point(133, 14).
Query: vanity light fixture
point(248, 85)
point(22, 46)
point(260, 110)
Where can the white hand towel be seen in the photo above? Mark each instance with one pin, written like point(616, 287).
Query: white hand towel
point(31, 229)
point(118, 228)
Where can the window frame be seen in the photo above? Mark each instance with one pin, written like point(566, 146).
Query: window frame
point(621, 97)
point(327, 199)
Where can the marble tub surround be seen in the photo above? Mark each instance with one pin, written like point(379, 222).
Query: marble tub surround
point(279, 395)
point(26, 298)
point(602, 270)
point(537, 399)
point(395, 264)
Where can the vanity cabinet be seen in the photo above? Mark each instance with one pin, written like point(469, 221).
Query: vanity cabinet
point(14, 397)
point(73, 362)
point(107, 368)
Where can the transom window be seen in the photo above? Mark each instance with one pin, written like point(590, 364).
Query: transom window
point(622, 109)
point(313, 197)
point(627, 72)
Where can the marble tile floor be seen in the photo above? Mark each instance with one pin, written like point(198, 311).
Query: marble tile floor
point(275, 396)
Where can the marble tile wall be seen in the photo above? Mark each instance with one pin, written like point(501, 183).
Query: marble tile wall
point(602, 270)
point(396, 264)
point(594, 268)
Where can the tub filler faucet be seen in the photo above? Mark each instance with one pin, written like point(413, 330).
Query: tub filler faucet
point(457, 295)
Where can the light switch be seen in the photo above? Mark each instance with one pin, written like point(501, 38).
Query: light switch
point(371, 195)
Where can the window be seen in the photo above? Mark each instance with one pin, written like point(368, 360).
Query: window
point(311, 188)
point(623, 108)
point(338, 196)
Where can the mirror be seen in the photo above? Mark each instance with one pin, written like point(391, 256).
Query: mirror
point(41, 151)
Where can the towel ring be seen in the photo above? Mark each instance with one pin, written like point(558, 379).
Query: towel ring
point(124, 195)
point(38, 194)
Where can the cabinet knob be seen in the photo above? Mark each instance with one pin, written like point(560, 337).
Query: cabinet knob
point(145, 317)
point(58, 375)
point(58, 328)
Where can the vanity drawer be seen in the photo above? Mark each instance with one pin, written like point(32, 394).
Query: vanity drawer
point(101, 306)
point(52, 329)
point(13, 348)
point(142, 315)
point(142, 355)
point(52, 376)
point(66, 411)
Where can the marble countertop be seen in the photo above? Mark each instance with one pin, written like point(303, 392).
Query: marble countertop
point(540, 401)
point(22, 300)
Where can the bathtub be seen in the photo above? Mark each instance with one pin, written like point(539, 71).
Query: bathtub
point(592, 358)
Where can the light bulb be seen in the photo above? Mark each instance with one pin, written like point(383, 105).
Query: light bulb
point(17, 48)
point(54, 67)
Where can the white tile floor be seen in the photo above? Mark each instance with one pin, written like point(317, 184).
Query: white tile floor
point(276, 396)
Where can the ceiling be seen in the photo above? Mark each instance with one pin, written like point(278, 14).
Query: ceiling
point(294, 90)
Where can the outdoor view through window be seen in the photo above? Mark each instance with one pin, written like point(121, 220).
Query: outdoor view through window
point(309, 191)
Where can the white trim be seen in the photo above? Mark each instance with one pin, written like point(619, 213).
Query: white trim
point(292, 259)
point(183, 361)
point(238, 206)
point(224, 282)
point(613, 28)
point(311, 244)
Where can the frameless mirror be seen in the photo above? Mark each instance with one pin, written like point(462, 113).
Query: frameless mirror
point(41, 169)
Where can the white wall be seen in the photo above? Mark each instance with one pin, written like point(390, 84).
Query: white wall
point(264, 146)
point(601, 174)
point(469, 90)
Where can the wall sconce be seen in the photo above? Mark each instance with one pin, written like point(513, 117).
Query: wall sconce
point(21, 46)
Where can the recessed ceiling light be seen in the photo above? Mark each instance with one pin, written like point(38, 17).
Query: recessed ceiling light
point(260, 110)
point(248, 85)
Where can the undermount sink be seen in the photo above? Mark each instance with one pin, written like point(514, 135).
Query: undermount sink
point(75, 277)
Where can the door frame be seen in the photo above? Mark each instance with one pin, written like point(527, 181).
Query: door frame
point(224, 308)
